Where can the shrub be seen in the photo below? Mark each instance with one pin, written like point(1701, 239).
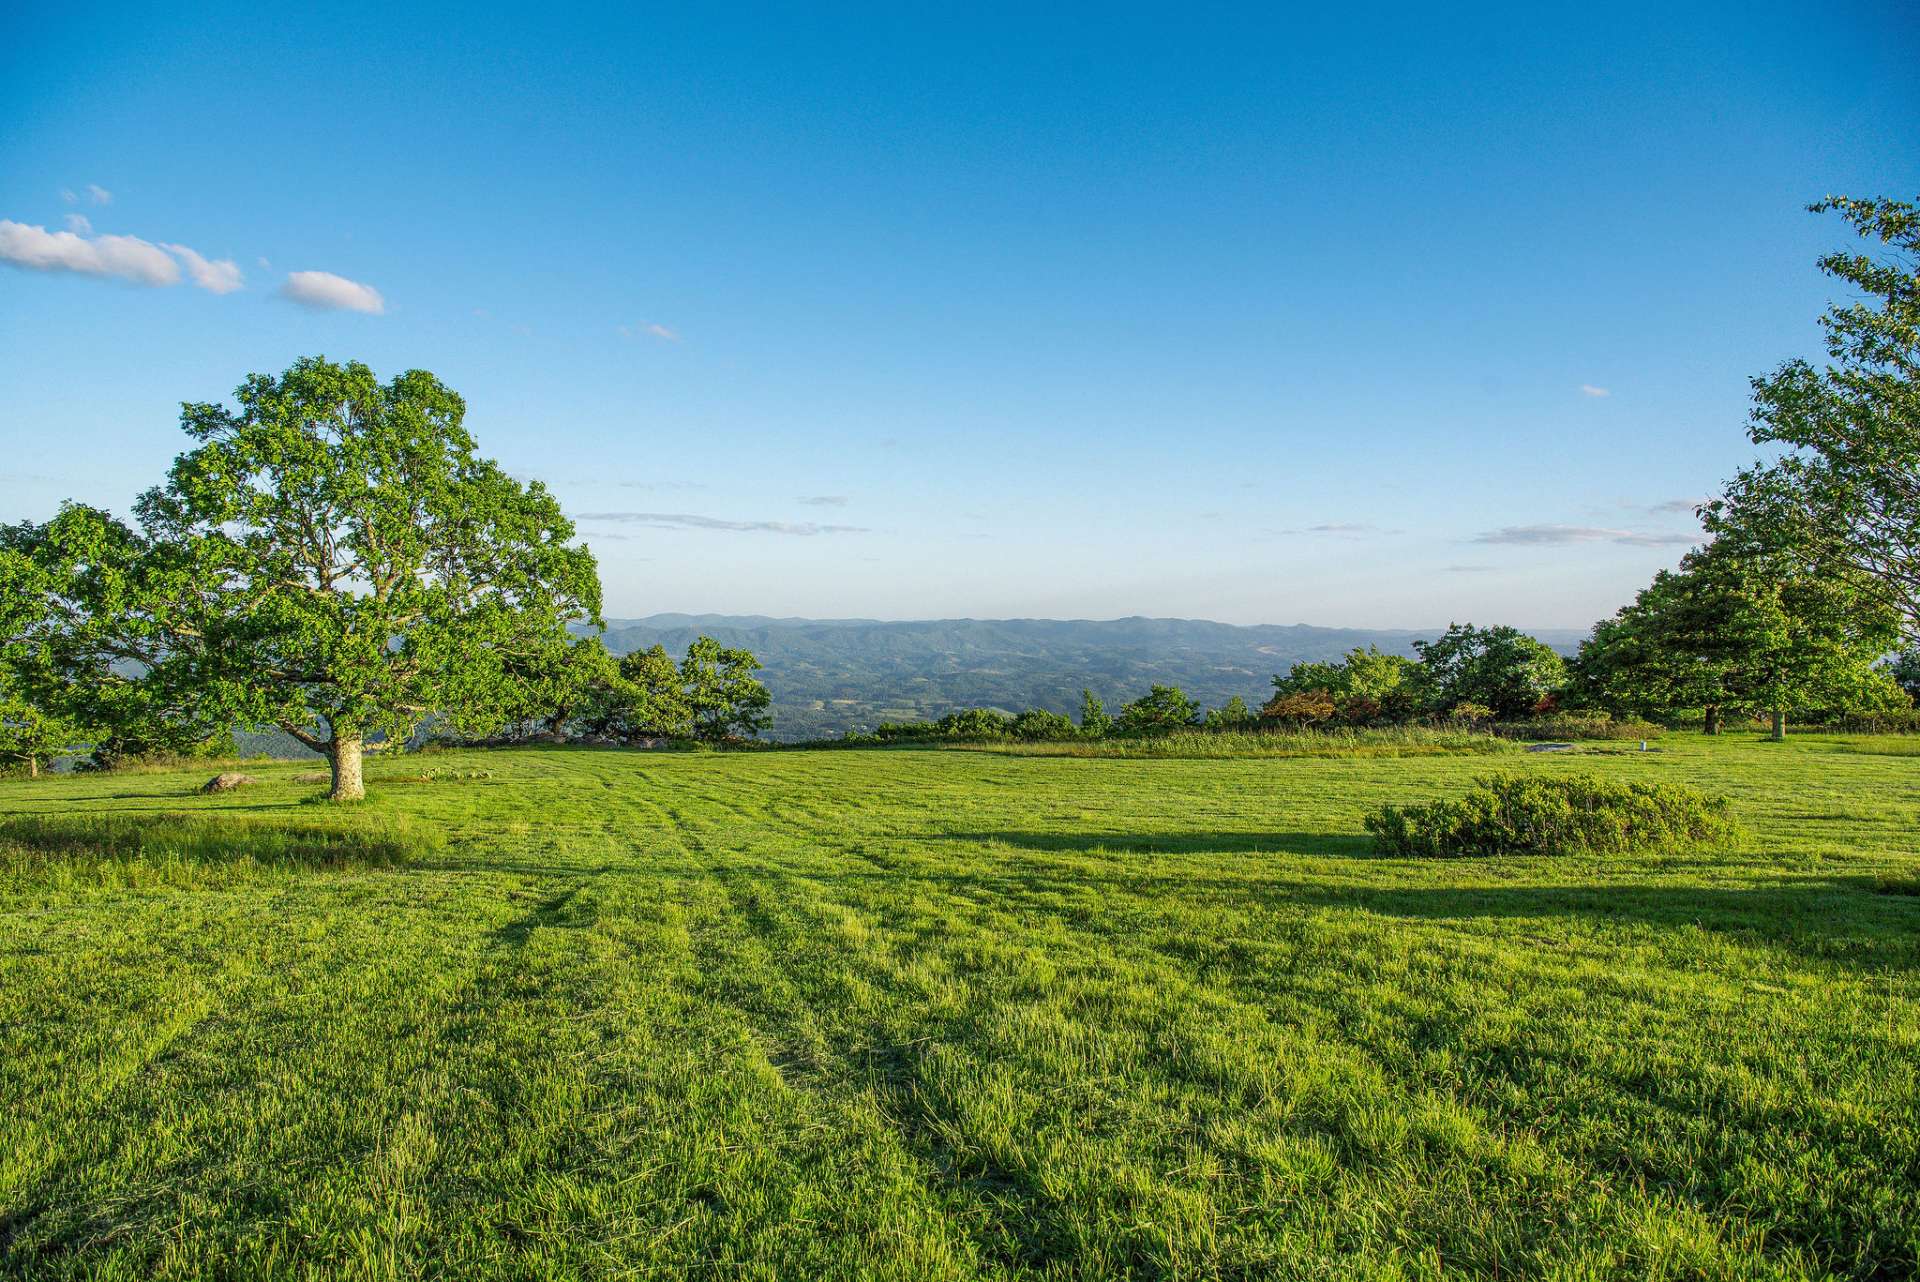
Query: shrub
point(1302, 708)
point(975, 723)
point(1161, 710)
point(1037, 725)
point(1359, 710)
point(1554, 815)
point(1231, 715)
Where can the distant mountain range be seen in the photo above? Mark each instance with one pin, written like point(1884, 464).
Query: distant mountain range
point(829, 676)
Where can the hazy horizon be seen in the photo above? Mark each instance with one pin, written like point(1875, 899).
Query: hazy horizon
point(1436, 628)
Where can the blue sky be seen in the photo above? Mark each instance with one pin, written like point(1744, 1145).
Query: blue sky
point(1263, 314)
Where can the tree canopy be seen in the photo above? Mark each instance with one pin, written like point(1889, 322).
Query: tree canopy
point(1846, 493)
point(332, 557)
point(1744, 628)
point(1500, 668)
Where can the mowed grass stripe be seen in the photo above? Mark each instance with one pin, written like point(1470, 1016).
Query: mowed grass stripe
point(922, 1014)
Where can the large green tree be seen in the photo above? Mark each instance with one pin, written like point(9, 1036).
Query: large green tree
point(87, 607)
point(1845, 495)
point(645, 700)
point(1160, 710)
point(1741, 627)
point(334, 558)
point(725, 699)
point(1500, 668)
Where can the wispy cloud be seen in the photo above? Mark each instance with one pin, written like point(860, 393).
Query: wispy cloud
point(222, 276)
point(324, 291)
point(99, 195)
point(654, 486)
point(825, 500)
point(122, 257)
point(648, 329)
point(1588, 389)
point(1465, 569)
point(1559, 535)
point(688, 521)
point(1331, 529)
point(80, 224)
point(1677, 507)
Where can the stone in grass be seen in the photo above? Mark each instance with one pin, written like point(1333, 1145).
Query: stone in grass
point(227, 782)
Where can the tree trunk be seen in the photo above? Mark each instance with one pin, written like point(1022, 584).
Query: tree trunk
point(33, 766)
point(1779, 734)
point(1713, 720)
point(343, 759)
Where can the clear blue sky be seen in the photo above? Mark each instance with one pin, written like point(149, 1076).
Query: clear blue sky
point(1261, 315)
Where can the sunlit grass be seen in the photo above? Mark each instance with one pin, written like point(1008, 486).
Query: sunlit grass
point(939, 1014)
point(1397, 741)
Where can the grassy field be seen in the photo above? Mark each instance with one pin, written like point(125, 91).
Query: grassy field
point(920, 1014)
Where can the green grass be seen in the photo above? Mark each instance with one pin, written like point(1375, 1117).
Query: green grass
point(924, 1014)
point(1397, 741)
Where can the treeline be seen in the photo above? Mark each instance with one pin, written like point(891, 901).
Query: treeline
point(1771, 653)
point(640, 699)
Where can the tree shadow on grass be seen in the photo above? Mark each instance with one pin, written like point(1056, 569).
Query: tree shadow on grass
point(1844, 920)
point(33, 842)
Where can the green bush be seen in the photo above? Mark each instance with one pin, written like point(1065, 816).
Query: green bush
point(1554, 815)
point(1037, 725)
point(975, 723)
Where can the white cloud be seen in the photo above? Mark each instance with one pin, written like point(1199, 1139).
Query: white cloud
point(1554, 535)
point(1588, 389)
point(125, 257)
point(825, 500)
point(221, 276)
point(69, 195)
point(650, 330)
point(324, 291)
point(99, 195)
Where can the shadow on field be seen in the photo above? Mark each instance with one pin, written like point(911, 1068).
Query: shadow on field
point(34, 843)
point(1851, 921)
point(1841, 920)
point(1335, 845)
